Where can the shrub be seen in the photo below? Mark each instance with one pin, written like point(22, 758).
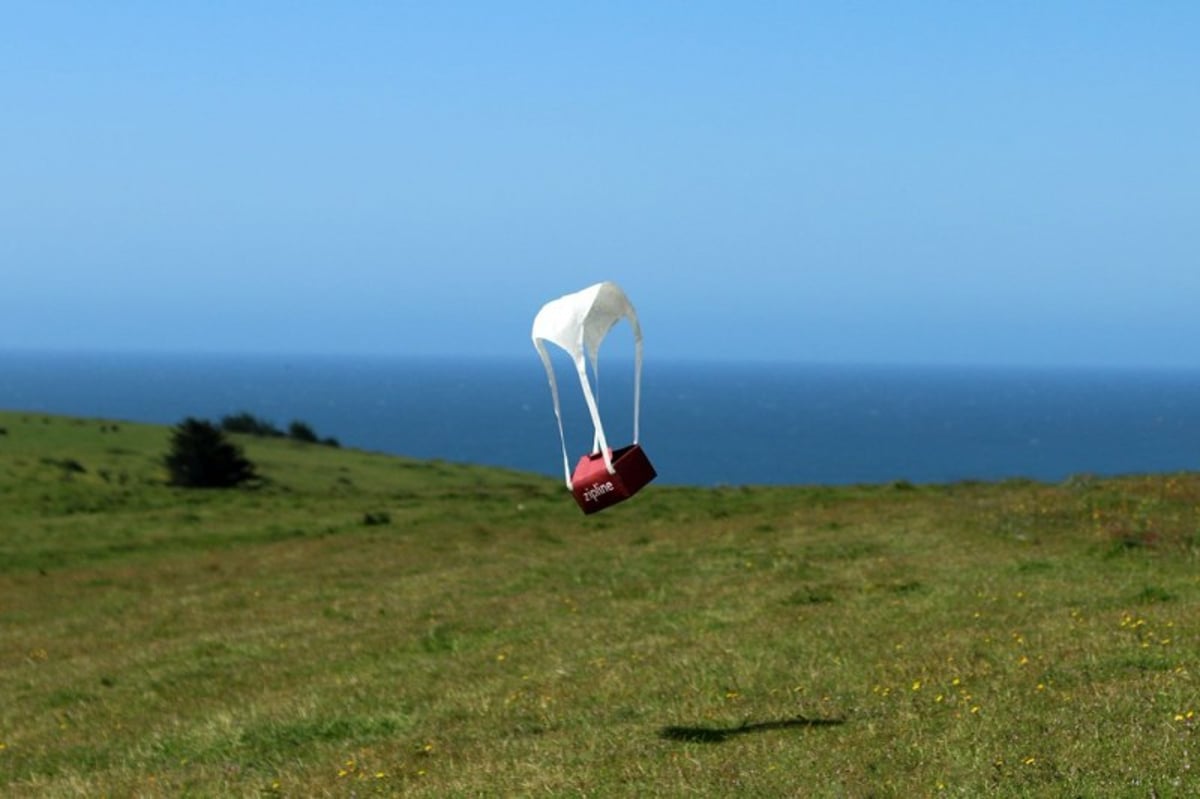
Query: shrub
point(250, 424)
point(302, 431)
point(201, 457)
point(69, 466)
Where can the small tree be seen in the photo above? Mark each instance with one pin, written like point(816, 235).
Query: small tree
point(201, 457)
point(302, 431)
point(246, 422)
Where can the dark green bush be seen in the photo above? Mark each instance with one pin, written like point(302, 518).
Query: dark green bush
point(249, 424)
point(201, 457)
point(302, 431)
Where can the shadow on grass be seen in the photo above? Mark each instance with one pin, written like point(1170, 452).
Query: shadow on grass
point(715, 735)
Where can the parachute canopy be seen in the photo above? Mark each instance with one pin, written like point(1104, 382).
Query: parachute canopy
point(578, 324)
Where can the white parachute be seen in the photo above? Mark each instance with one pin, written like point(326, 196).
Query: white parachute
point(577, 323)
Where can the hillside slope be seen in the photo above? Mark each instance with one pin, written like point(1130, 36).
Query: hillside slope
point(382, 626)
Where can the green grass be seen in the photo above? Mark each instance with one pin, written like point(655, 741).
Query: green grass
point(368, 625)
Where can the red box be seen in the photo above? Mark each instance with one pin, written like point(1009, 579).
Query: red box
point(595, 489)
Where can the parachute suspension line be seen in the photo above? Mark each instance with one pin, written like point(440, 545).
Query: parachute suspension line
point(596, 443)
point(562, 438)
point(637, 383)
point(581, 367)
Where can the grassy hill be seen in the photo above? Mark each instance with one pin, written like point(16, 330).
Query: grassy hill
point(369, 625)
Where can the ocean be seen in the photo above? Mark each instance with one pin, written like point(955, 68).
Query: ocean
point(702, 424)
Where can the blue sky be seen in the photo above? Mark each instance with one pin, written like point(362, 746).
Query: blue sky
point(937, 182)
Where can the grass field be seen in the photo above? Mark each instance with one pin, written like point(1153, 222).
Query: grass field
point(364, 625)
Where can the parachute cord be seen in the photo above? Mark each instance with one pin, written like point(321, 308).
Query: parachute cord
point(637, 384)
point(562, 438)
point(581, 367)
point(596, 375)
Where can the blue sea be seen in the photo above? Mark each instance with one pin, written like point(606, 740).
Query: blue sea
point(702, 423)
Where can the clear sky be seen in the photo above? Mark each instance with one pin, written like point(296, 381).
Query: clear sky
point(923, 182)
